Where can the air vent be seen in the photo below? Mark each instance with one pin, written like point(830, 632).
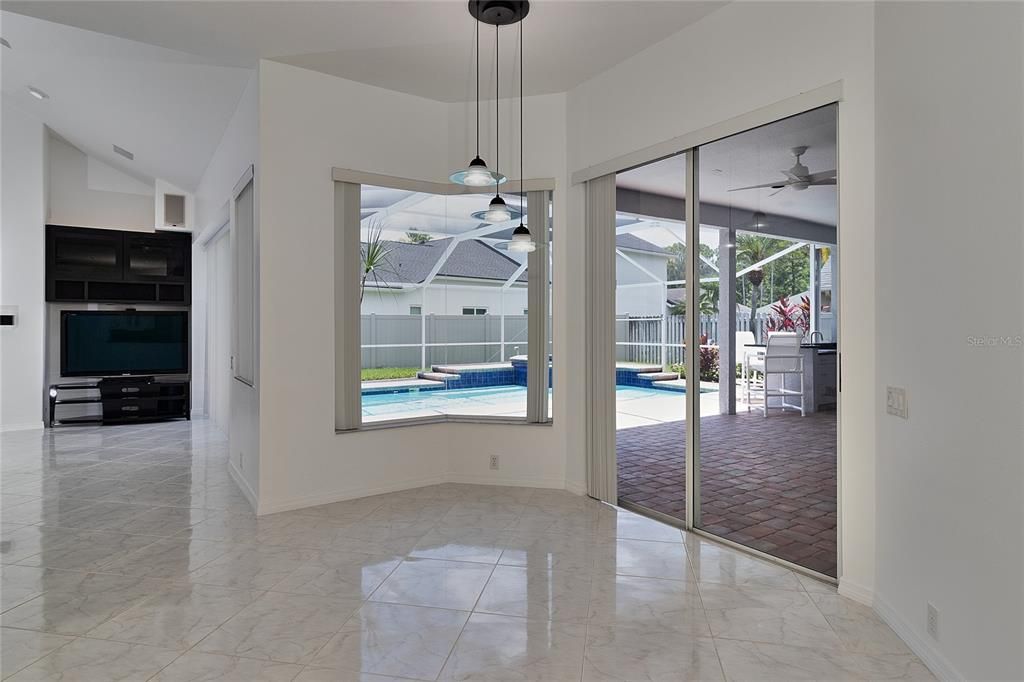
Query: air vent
point(124, 152)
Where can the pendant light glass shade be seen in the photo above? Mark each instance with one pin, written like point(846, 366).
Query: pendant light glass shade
point(477, 174)
point(497, 211)
point(522, 240)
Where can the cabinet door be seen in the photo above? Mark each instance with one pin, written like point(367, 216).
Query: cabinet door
point(77, 253)
point(161, 257)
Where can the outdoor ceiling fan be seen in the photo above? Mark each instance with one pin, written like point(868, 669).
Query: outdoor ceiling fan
point(799, 177)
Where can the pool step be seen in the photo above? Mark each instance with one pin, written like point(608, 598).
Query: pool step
point(657, 376)
point(438, 376)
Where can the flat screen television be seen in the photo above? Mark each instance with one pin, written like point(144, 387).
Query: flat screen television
point(98, 343)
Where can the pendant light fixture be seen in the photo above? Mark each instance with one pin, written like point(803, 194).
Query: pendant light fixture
point(477, 174)
point(522, 240)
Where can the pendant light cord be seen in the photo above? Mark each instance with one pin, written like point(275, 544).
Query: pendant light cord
point(497, 111)
point(522, 162)
point(477, 38)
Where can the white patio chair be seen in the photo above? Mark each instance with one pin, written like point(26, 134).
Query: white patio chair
point(781, 357)
point(745, 346)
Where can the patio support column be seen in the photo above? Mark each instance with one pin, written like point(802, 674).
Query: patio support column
point(347, 264)
point(726, 321)
point(537, 310)
point(501, 321)
point(815, 289)
point(599, 349)
point(423, 327)
point(663, 293)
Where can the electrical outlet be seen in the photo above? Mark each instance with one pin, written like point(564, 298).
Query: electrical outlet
point(896, 401)
point(933, 621)
point(494, 461)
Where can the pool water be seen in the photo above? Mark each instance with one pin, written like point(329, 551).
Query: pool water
point(505, 401)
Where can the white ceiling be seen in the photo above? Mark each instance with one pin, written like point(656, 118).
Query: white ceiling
point(421, 48)
point(169, 108)
point(752, 158)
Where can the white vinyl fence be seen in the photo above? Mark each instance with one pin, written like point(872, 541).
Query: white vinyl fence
point(425, 340)
point(639, 339)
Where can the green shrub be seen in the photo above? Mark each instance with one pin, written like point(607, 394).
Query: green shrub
point(708, 365)
point(379, 373)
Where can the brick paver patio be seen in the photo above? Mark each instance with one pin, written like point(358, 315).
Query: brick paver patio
point(768, 483)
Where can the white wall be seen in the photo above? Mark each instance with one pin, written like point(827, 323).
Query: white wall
point(950, 168)
point(736, 60)
point(86, 192)
point(22, 243)
point(352, 125)
point(238, 149)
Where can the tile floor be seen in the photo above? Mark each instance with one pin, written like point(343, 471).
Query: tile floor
point(768, 483)
point(128, 554)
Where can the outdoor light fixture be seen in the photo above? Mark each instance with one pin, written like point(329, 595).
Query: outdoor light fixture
point(477, 174)
point(760, 221)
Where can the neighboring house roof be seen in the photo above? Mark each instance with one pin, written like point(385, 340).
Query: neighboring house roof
point(472, 259)
point(634, 243)
point(410, 263)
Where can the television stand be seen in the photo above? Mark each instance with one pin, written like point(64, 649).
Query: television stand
point(125, 400)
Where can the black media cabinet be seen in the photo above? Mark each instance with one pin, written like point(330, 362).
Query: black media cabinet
point(125, 400)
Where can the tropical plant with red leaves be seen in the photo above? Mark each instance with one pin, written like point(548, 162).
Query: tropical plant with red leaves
point(790, 317)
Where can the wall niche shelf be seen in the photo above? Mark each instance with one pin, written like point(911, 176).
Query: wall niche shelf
point(89, 265)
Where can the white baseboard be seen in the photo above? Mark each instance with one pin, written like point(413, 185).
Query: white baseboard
point(484, 479)
point(856, 592)
point(342, 495)
point(920, 645)
point(243, 485)
point(27, 426)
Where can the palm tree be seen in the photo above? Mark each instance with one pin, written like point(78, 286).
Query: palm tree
point(707, 303)
point(751, 249)
point(374, 252)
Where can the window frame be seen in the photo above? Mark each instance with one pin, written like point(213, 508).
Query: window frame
point(348, 393)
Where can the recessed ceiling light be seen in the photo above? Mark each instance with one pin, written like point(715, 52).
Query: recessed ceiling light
point(3, 41)
point(37, 93)
point(124, 152)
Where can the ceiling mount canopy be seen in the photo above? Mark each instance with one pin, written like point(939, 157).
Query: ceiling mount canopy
point(499, 12)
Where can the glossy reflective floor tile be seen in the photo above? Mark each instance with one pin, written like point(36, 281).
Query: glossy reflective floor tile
point(393, 639)
point(507, 648)
point(430, 582)
point(128, 553)
point(626, 653)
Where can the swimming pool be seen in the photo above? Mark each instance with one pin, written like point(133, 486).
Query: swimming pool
point(501, 401)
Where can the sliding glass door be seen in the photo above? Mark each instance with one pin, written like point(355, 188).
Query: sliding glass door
point(766, 319)
point(650, 248)
point(726, 339)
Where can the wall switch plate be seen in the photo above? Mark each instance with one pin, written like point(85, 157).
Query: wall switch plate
point(896, 401)
point(933, 621)
point(494, 461)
